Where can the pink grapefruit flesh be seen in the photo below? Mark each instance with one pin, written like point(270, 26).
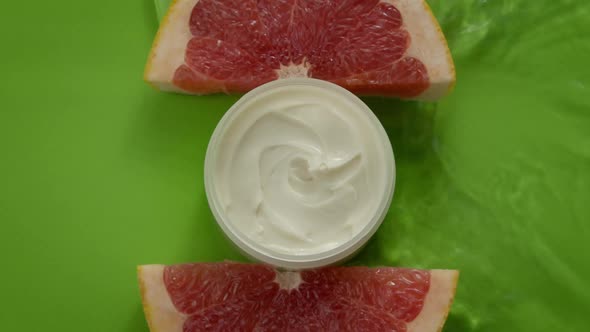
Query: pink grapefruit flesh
point(250, 297)
point(371, 47)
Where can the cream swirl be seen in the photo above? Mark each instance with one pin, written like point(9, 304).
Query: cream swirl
point(301, 170)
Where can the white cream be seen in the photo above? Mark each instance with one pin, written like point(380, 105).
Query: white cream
point(301, 169)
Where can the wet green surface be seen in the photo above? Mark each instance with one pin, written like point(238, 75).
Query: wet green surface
point(99, 173)
point(495, 179)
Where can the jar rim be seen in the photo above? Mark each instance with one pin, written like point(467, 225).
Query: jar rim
point(296, 261)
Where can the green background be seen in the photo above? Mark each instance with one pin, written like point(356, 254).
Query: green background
point(100, 173)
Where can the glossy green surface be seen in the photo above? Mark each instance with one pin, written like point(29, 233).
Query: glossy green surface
point(99, 173)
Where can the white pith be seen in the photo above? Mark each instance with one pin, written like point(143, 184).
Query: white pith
point(169, 49)
point(437, 303)
point(159, 310)
point(293, 70)
point(288, 280)
point(427, 44)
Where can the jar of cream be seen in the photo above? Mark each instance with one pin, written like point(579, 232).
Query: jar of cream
point(299, 173)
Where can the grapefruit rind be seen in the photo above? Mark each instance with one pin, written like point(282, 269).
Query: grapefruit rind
point(443, 284)
point(428, 45)
point(169, 46)
point(160, 313)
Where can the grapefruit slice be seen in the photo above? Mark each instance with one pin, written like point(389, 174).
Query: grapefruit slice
point(250, 297)
point(371, 47)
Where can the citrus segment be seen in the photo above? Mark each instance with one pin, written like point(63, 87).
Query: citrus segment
point(250, 297)
point(371, 47)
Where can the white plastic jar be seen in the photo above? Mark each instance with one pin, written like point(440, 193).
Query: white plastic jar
point(299, 173)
